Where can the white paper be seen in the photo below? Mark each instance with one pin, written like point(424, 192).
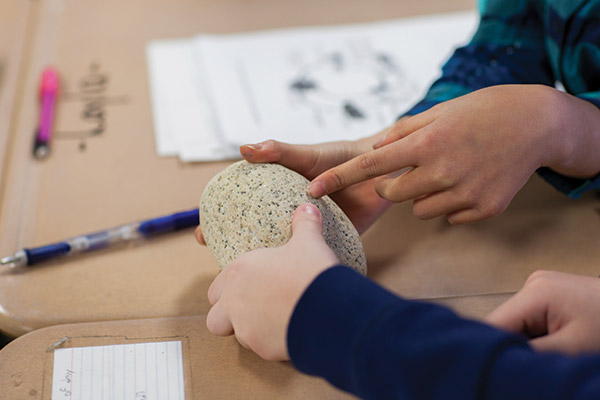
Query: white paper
point(303, 85)
point(140, 371)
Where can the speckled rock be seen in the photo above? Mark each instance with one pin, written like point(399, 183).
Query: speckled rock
point(250, 206)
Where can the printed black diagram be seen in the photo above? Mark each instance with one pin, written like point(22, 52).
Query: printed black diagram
point(355, 86)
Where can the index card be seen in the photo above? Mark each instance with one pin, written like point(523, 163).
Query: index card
point(139, 371)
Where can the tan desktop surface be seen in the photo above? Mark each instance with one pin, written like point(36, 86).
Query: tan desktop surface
point(14, 24)
point(104, 172)
point(214, 367)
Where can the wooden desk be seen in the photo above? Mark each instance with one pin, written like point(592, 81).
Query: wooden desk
point(104, 170)
point(94, 181)
point(15, 29)
point(214, 367)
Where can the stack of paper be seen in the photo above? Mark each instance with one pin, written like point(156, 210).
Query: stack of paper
point(212, 93)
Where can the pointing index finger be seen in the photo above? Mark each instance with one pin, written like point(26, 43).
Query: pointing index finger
point(361, 168)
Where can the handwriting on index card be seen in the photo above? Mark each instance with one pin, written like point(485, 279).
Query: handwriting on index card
point(140, 371)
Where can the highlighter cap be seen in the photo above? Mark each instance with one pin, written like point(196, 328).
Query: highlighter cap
point(49, 83)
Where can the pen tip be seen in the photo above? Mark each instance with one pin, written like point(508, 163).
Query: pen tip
point(6, 260)
point(16, 260)
point(41, 152)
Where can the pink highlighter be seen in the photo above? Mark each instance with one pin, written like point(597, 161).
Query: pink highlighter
point(48, 94)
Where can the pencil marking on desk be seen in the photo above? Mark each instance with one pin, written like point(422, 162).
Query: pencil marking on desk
point(58, 344)
point(92, 95)
point(17, 379)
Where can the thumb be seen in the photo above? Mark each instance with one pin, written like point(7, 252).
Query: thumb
point(307, 222)
point(199, 236)
point(564, 340)
point(526, 312)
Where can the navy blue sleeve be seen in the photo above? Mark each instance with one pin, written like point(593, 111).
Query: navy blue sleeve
point(367, 341)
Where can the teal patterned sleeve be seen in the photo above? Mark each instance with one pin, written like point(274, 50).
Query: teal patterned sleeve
point(528, 42)
point(507, 48)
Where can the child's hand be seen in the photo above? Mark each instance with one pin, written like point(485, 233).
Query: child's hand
point(360, 202)
point(255, 296)
point(559, 311)
point(471, 155)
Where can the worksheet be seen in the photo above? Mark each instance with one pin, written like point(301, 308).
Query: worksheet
point(213, 93)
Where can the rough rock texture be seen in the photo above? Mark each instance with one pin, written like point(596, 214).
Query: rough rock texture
point(250, 206)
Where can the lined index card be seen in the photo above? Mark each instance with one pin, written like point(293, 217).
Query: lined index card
point(140, 371)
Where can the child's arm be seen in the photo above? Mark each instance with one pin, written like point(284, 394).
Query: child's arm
point(286, 302)
point(469, 156)
point(365, 340)
point(510, 47)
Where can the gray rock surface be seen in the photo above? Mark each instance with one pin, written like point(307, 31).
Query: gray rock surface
point(249, 206)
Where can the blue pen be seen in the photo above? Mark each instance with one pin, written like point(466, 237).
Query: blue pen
point(105, 238)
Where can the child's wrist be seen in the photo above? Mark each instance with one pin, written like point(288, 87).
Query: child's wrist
point(561, 139)
point(573, 135)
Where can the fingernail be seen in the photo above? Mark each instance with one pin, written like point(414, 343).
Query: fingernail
point(316, 189)
point(379, 142)
point(256, 146)
point(309, 209)
point(247, 150)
